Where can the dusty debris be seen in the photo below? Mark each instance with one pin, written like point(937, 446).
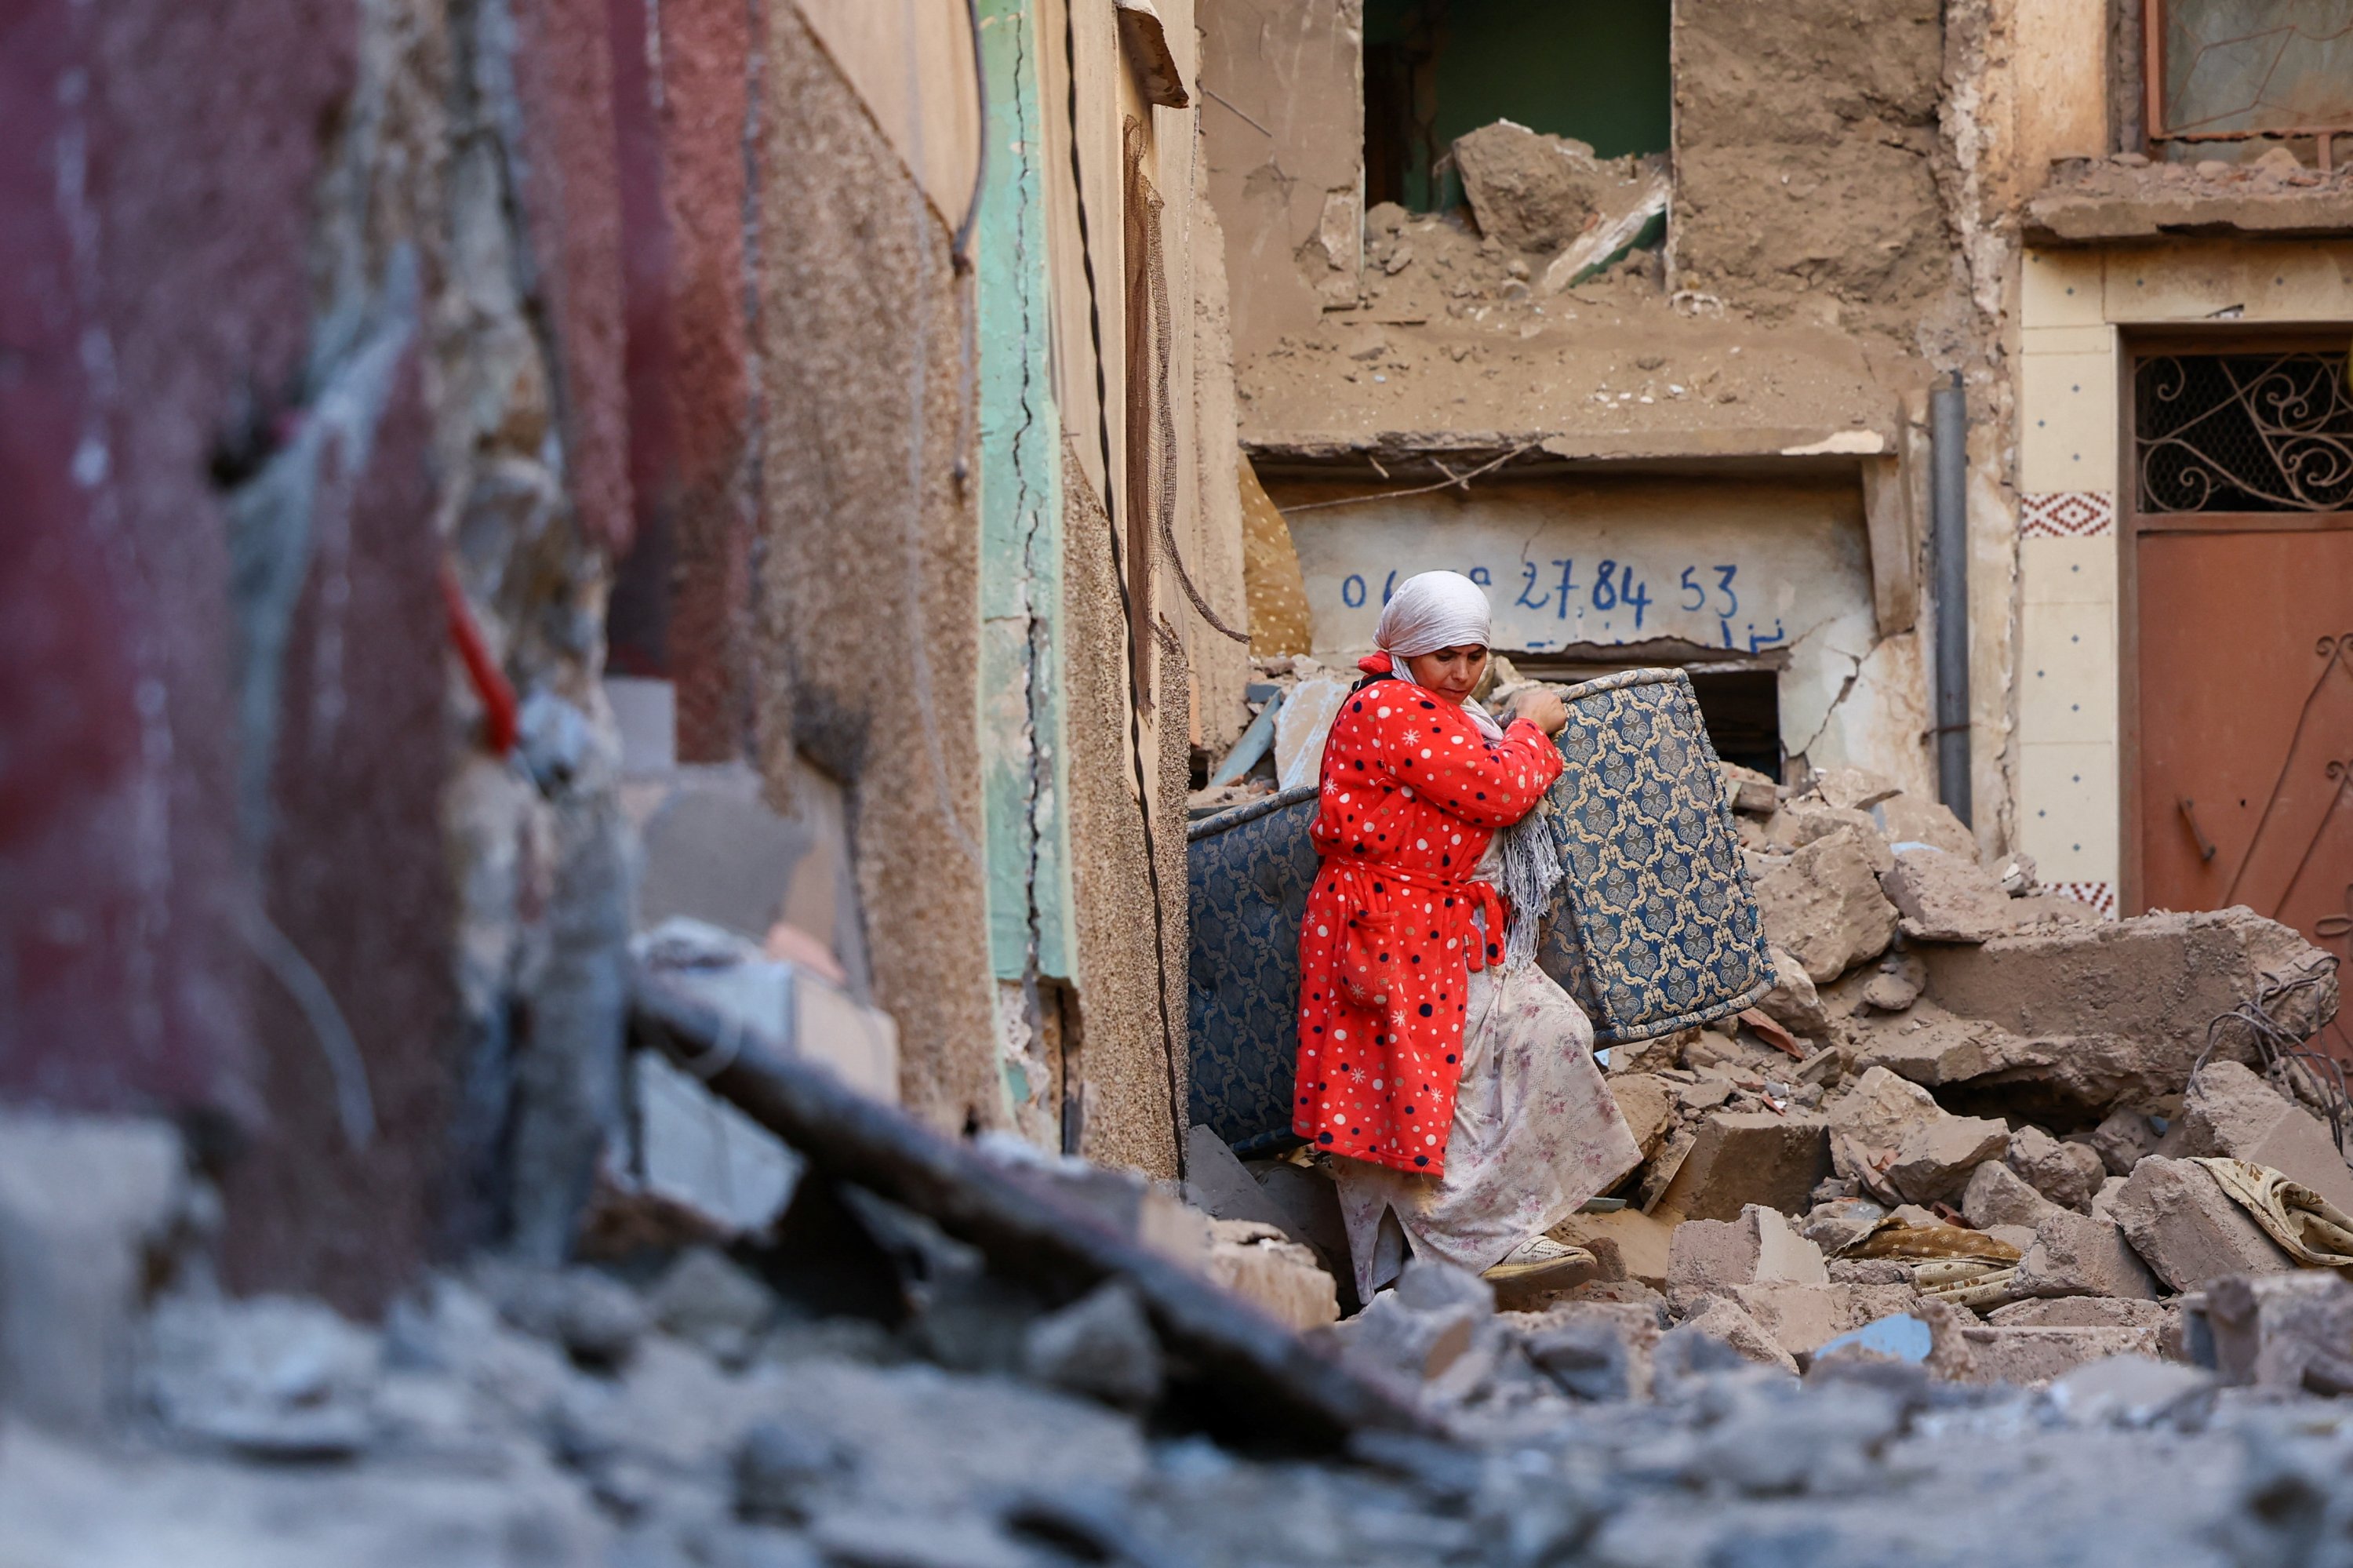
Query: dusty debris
point(1823, 905)
point(2189, 1230)
point(1739, 1158)
point(2083, 1255)
point(2230, 1110)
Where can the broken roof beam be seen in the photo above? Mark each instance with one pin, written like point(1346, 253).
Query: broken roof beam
point(1234, 1359)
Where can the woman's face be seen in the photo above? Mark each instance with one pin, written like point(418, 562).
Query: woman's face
point(1454, 671)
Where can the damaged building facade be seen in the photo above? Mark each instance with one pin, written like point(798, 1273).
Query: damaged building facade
point(1639, 316)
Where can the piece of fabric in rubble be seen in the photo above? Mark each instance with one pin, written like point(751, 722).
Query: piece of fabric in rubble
point(1951, 1264)
point(2312, 1229)
point(1411, 796)
point(1536, 1133)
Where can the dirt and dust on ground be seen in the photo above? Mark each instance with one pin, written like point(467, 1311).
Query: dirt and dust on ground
point(1532, 313)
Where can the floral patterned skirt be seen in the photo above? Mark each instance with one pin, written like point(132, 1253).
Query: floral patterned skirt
point(1536, 1133)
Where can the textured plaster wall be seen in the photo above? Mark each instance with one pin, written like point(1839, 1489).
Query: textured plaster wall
point(1282, 123)
point(1124, 1040)
point(866, 583)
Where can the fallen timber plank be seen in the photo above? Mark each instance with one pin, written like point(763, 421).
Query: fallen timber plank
point(1240, 1370)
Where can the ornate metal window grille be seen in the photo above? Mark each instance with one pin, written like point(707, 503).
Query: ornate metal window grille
point(2244, 432)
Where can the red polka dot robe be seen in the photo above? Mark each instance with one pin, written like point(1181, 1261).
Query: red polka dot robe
point(1411, 793)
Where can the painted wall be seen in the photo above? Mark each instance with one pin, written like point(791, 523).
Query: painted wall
point(1777, 572)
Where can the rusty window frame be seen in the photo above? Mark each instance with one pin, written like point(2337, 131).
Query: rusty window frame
point(2154, 13)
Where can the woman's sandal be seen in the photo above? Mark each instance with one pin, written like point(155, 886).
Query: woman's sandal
point(1537, 1258)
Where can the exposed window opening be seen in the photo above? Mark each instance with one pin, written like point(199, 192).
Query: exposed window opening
point(1739, 704)
point(1435, 70)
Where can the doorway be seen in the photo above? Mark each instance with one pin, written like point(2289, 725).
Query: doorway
point(2240, 580)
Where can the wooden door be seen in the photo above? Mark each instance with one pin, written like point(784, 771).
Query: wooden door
point(2243, 726)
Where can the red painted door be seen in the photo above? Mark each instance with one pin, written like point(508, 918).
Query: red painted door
point(2246, 719)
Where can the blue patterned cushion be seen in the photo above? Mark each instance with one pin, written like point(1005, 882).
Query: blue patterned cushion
point(1655, 928)
point(1249, 871)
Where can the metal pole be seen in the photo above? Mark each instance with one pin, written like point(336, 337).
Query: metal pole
point(1948, 434)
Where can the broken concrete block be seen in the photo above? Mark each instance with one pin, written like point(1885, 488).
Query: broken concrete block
point(1220, 1186)
point(1648, 1105)
point(2104, 1202)
point(1727, 1324)
point(2289, 1331)
point(2067, 1173)
point(1852, 788)
point(88, 1206)
point(2121, 1140)
point(1908, 819)
point(1752, 793)
point(2188, 1230)
point(1271, 1272)
point(1947, 897)
point(2117, 1013)
point(2029, 1357)
point(1931, 1046)
point(2231, 1111)
point(2080, 1312)
point(2131, 1390)
point(1804, 822)
point(1936, 1159)
point(1793, 1002)
point(1640, 1244)
point(1429, 1322)
point(1891, 991)
point(1596, 1351)
point(1739, 1158)
point(1530, 192)
point(1100, 1345)
point(1823, 905)
point(709, 1301)
point(276, 1377)
point(1802, 1319)
point(1708, 1256)
point(1841, 1222)
point(1995, 1196)
point(595, 1318)
point(2078, 1255)
point(1892, 1134)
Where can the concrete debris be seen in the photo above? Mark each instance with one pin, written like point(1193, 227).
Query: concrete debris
point(1631, 1245)
point(1997, 1196)
point(1947, 897)
point(1724, 1321)
point(1100, 1345)
point(1793, 1002)
point(2083, 1255)
point(2120, 1140)
point(1751, 792)
point(2067, 1173)
point(1760, 1248)
point(2080, 1312)
point(1740, 1158)
point(2029, 1357)
point(1280, 1277)
point(1648, 1104)
point(2287, 1331)
point(1892, 1136)
point(275, 1377)
point(711, 1302)
point(2188, 1230)
point(2230, 1111)
point(90, 1212)
point(1221, 1186)
point(1851, 789)
point(1823, 905)
point(1534, 193)
point(1593, 1350)
point(2132, 1390)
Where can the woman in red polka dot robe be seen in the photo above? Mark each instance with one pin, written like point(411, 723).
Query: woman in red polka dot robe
point(1417, 781)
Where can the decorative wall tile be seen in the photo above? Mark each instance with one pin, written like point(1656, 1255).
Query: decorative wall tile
point(2100, 896)
point(2067, 808)
point(2060, 288)
point(2067, 571)
point(2067, 672)
point(2067, 421)
point(2066, 514)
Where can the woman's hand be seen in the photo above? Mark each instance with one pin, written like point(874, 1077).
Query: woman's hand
point(1541, 706)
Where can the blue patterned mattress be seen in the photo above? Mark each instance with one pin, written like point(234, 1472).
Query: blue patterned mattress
point(1655, 928)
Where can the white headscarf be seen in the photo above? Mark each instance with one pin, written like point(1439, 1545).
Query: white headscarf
point(1430, 610)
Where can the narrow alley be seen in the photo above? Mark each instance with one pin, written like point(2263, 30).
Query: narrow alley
point(713, 712)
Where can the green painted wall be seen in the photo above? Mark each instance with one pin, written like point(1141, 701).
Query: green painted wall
point(1021, 684)
point(1594, 69)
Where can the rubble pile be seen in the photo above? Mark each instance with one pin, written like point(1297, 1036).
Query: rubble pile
point(1972, 1095)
